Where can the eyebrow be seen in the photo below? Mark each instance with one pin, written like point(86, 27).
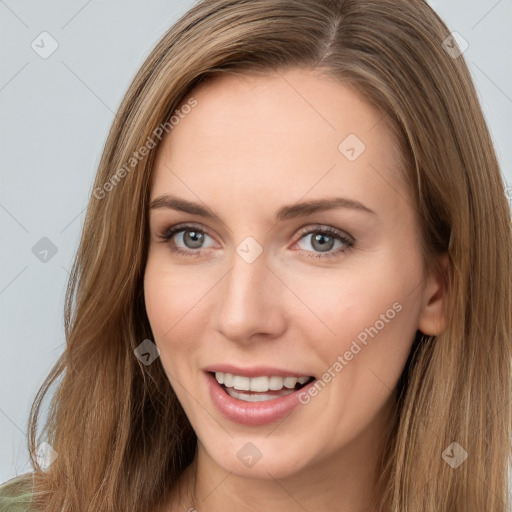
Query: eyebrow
point(284, 213)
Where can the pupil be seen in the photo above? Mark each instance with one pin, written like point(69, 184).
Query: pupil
point(324, 246)
point(190, 238)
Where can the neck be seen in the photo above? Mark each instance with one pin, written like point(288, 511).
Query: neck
point(345, 480)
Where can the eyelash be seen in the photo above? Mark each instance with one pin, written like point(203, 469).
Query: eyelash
point(167, 234)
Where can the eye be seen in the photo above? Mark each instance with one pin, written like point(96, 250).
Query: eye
point(191, 237)
point(323, 239)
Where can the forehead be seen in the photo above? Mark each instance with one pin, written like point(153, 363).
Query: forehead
point(292, 133)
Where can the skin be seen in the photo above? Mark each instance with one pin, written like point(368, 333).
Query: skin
point(251, 145)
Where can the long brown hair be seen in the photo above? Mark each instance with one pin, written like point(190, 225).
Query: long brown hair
point(120, 433)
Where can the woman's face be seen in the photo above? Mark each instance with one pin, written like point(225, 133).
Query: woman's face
point(270, 287)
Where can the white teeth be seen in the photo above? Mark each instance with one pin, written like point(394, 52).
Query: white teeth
point(228, 379)
point(260, 397)
point(241, 383)
point(290, 382)
point(258, 384)
point(275, 383)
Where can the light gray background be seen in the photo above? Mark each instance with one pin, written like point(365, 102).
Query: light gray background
point(55, 114)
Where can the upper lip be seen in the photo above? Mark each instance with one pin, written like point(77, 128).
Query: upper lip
point(254, 371)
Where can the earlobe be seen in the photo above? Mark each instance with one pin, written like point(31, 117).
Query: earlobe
point(432, 319)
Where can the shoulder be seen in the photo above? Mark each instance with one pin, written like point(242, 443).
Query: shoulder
point(16, 494)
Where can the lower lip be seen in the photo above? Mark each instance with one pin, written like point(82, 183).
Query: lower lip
point(252, 413)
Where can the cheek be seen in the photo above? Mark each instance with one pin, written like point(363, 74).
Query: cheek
point(172, 299)
point(344, 303)
point(366, 312)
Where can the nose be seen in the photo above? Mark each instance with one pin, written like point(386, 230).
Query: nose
point(250, 302)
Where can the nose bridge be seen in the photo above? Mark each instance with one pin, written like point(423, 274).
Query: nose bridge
point(247, 302)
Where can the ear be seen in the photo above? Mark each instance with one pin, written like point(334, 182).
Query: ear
point(432, 320)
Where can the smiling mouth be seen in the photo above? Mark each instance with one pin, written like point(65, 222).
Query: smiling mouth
point(259, 389)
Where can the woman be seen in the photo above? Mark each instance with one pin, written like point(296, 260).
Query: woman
point(292, 290)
